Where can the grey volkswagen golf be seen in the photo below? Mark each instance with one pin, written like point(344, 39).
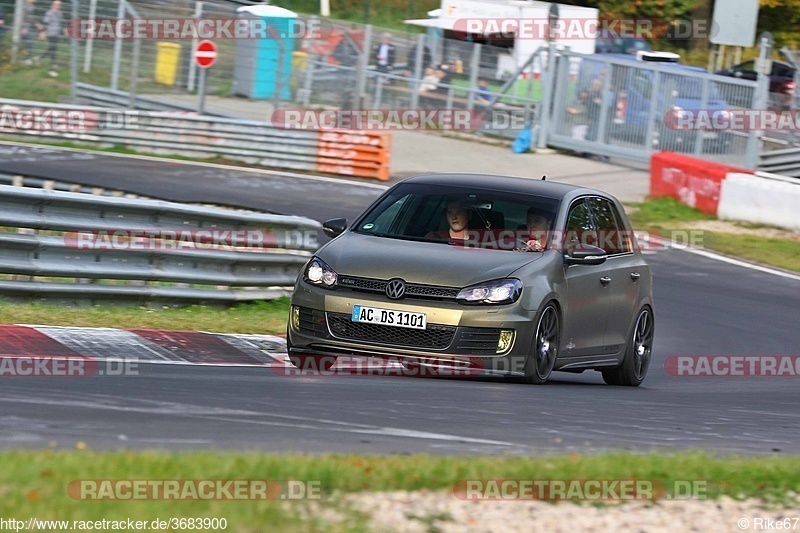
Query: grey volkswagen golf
point(508, 276)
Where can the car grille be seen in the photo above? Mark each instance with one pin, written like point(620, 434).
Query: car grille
point(477, 341)
point(312, 322)
point(413, 290)
point(435, 336)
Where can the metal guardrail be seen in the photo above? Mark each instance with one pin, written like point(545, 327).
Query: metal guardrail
point(183, 273)
point(785, 162)
point(344, 152)
point(105, 97)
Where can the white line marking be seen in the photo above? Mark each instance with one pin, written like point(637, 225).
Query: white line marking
point(233, 416)
point(732, 261)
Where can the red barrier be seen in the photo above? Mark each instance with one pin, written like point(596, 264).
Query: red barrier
point(695, 182)
point(357, 153)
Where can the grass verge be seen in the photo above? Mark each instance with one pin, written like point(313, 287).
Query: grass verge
point(760, 244)
point(35, 483)
point(267, 317)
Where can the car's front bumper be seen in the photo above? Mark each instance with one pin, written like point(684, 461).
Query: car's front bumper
point(320, 324)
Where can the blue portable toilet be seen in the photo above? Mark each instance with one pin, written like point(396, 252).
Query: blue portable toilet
point(264, 64)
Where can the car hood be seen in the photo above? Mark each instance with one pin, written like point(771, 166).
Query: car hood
point(429, 263)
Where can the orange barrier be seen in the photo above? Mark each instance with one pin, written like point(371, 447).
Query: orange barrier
point(355, 153)
point(695, 182)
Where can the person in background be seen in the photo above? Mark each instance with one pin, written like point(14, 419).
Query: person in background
point(27, 29)
point(457, 64)
point(482, 94)
point(52, 23)
point(592, 102)
point(443, 73)
point(427, 61)
point(385, 55)
point(430, 81)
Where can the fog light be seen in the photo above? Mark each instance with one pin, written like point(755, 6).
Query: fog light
point(295, 312)
point(505, 341)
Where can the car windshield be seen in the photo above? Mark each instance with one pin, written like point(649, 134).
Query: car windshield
point(482, 218)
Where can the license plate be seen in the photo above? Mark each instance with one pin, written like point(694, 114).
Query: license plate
point(389, 317)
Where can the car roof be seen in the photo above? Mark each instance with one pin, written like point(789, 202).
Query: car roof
point(774, 61)
point(670, 64)
point(535, 186)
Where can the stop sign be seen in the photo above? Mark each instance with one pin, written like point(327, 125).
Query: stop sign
point(205, 54)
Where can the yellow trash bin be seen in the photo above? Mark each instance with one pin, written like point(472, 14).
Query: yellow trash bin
point(299, 64)
point(167, 60)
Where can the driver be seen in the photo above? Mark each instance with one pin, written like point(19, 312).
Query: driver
point(458, 217)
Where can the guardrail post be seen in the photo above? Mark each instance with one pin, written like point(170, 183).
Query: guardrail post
point(474, 74)
point(561, 93)
point(547, 97)
point(651, 111)
point(604, 109)
point(698, 141)
point(759, 102)
point(137, 46)
point(73, 57)
point(115, 64)
point(198, 12)
point(361, 70)
point(419, 69)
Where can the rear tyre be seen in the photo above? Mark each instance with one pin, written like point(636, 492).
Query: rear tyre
point(634, 366)
point(540, 362)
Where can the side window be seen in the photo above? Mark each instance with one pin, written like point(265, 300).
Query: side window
point(612, 236)
point(580, 228)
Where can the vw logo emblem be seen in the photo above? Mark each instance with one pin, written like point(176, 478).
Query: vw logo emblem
point(396, 289)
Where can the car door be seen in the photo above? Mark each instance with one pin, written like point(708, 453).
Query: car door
point(586, 302)
point(622, 272)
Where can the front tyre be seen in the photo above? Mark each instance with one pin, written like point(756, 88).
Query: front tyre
point(637, 354)
point(540, 362)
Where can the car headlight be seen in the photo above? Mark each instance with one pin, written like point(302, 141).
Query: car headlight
point(319, 273)
point(499, 291)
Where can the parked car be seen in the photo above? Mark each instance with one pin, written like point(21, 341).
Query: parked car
point(781, 82)
point(621, 46)
point(680, 88)
point(396, 283)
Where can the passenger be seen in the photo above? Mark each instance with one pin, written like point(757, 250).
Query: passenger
point(537, 231)
point(458, 217)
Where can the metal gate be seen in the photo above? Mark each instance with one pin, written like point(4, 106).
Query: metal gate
point(618, 106)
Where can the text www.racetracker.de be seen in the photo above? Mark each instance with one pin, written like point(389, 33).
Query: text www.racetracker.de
point(127, 524)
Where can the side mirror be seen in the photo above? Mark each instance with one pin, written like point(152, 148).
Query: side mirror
point(585, 255)
point(334, 227)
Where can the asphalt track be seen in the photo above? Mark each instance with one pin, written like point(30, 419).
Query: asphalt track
point(703, 307)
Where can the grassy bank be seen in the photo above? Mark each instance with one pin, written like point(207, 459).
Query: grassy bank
point(35, 484)
point(756, 243)
point(259, 318)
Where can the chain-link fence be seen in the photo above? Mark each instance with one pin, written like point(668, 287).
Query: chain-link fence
point(629, 108)
point(597, 103)
point(323, 63)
